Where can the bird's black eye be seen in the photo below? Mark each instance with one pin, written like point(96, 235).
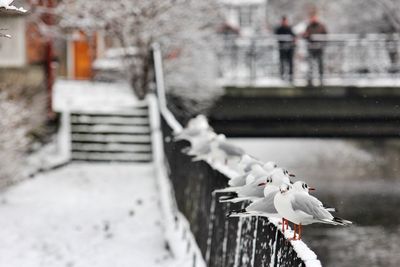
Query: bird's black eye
point(275, 166)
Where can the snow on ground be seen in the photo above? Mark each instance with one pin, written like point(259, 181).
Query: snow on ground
point(84, 215)
point(93, 96)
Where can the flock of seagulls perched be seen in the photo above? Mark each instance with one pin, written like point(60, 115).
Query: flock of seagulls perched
point(269, 189)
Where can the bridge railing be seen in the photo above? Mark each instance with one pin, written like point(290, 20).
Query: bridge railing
point(222, 241)
point(345, 56)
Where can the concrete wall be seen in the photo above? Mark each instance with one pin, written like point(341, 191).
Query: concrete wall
point(12, 50)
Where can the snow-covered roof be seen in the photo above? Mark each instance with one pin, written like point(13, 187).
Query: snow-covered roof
point(15, 8)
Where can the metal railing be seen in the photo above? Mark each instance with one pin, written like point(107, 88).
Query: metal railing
point(345, 56)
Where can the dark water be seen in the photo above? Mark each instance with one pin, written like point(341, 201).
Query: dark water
point(361, 178)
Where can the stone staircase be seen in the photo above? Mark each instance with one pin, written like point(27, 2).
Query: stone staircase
point(113, 136)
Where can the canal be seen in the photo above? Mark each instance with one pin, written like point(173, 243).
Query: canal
point(361, 178)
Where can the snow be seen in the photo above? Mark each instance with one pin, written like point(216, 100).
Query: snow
point(93, 96)
point(7, 5)
point(242, 2)
point(84, 215)
point(176, 227)
point(162, 101)
point(5, 35)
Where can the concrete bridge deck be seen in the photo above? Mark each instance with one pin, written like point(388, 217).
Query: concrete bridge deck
point(328, 111)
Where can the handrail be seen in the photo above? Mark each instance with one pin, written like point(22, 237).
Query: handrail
point(176, 227)
point(160, 90)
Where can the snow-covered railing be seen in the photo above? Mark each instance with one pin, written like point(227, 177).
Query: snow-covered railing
point(345, 56)
point(220, 241)
point(176, 227)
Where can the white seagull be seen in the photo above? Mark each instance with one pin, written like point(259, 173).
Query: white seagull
point(200, 144)
point(302, 209)
point(255, 190)
point(194, 128)
point(256, 171)
point(265, 207)
point(246, 162)
point(220, 150)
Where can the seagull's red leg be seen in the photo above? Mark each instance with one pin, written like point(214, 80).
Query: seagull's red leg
point(295, 230)
point(287, 224)
point(283, 225)
point(300, 228)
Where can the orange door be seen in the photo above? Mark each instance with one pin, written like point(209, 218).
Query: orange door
point(82, 58)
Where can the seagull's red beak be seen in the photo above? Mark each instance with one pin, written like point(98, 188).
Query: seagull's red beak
point(311, 189)
point(262, 184)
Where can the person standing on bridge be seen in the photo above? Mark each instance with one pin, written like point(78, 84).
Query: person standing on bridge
point(315, 47)
point(286, 39)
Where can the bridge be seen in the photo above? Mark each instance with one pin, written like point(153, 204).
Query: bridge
point(359, 95)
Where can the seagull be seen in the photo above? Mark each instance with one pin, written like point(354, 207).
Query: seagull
point(220, 149)
point(229, 150)
point(255, 190)
point(265, 207)
point(256, 171)
point(210, 152)
point(200, 145)
point(302, 209)
point(246, 162)
point(194, 128)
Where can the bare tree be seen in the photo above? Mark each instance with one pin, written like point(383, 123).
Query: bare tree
point(391, 10)
point(177, 24)
point(13, 138)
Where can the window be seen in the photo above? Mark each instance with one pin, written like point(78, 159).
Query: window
point(246, 16)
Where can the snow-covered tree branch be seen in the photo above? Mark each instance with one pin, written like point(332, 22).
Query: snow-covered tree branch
point(391, 10)
point(183, 27)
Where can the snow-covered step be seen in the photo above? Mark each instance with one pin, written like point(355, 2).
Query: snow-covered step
point(112, 120)
point(127, 157)
point(111, 138)
point(111, 147)
point(103, 128)
point(111, 135)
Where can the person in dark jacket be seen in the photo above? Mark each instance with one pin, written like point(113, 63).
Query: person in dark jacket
point(286, 39)
point(315, 47)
